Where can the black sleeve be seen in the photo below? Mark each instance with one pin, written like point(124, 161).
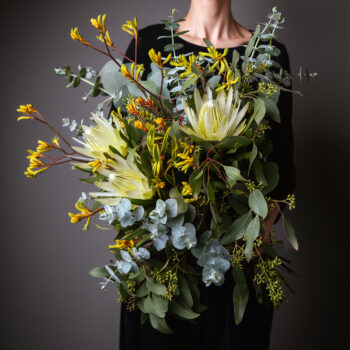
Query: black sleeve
point(281, 135)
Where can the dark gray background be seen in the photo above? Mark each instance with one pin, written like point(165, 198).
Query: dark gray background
point(48, 299)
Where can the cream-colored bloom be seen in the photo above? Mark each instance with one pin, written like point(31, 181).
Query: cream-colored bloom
point(215, 118)
point(124, 179)
point(98, 138)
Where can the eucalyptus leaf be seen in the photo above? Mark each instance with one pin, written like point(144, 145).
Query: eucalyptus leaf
point(289, 230)
point(160, 324)
point(237, 229)
point(257, 203)
point(155, 287)
point(252, 233)
point(182, 311)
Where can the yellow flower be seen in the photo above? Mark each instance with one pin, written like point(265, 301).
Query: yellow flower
point(26, 109)
point(230, 80)
point(100, 22)
point(215, 118)
point(182, 61)
point(124, 179)
point(36, 166)
point(105, 38)
point(158, 184)
point(218, 57)
point(156, 58)
point(186, 189)
point(75, 35)
point(186, 162)
point(84, 213)
point(44, 146)
point(139, 125)
point(55, 141)
point(96, 164)
point(191, 200)
point(131, 74)
point(98, 138)
point(122, 244)
point(131, 27)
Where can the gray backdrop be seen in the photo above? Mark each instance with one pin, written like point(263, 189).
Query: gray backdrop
point(49, 301)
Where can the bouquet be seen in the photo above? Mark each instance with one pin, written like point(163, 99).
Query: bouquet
point(180, 170)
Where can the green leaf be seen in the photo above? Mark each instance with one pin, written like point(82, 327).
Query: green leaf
point(149, 85)
point(142, 291)
point(234, 142)
point(181, 205)
point(258, 172)
point(182, 311)
point(233, 174)
point(208, 42)
point(240, 293)
point(99, 272)
point(152, 307)
point(237, 229)
point(211, 192)
point(155, 287)
point(186, 292)
point(162, 303)
point(252, 156)
point(235, 58)
point(160, 324)
point(252, 233)
point(188, 83)
point(171, 47)
point(195, 69)
point(196, 182)
point(258, 203)
point(272, 176)
point(289, 230)
point(259, 110)
point(271, 109)
point(251, 43)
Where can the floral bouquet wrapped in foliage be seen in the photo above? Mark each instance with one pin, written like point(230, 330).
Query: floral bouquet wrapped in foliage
point(181, 170)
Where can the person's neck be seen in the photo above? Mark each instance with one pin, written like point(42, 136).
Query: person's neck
point(213, 20)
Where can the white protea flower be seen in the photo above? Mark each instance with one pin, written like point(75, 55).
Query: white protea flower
point(99, 137)
point(215, 118)
point(125, 180)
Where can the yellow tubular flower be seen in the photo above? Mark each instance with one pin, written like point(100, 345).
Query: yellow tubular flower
point(215, 118)
point(218, 57)
point(122, 244)
point(131, 27)
point(156, 58)
point(98, 138)
point(182, 61)
point(84, 212)
point(100, 22)
point(26, 109)
point(131, 74)
point(186, 162)
point(159, 184)
point(36, 166)
point(105, 38)
point(186, 190)
point(75, 35)
point(55, 141)
point(230, 80)
point(139, 125)
point(44, 146)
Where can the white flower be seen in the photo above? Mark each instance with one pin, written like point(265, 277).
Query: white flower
point(98, 138)
point(215, 118)
point(124, 180)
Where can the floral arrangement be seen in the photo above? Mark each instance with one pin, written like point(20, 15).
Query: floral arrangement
point(180, 168)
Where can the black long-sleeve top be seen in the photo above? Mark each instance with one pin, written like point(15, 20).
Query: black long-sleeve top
point(215, 328)
point(281, 134)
